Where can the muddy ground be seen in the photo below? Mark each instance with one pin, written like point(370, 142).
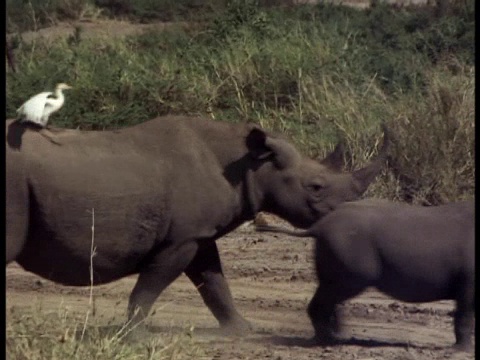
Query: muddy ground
point(272, 280)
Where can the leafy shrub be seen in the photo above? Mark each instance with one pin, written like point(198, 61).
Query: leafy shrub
point(318, 73)
point(238, 16)
point(166, 10)
point(434, 157)
point(36, 14)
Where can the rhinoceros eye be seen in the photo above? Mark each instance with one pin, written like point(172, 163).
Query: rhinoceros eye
point(315, 187)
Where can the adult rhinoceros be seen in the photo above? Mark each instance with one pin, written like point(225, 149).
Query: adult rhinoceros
point(162, 193)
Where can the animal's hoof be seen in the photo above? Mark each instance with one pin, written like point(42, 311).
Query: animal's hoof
point(464, 347)
point(324, 340)
point(328, 335)
point(238, 327)
point(136, 333)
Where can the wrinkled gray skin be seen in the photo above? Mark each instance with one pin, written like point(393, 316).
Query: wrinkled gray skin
point(162, 192)
point(411, 253)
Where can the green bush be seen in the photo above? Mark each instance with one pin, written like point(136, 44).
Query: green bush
point(318, 73)
point(148, 10)
point(36, 14)
point(434, 158)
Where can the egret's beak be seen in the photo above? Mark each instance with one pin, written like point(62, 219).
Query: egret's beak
point(63, 86)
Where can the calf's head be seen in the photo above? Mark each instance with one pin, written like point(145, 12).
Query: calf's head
point(300, 189)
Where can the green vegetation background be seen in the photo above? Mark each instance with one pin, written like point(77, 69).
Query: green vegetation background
point(320, 73)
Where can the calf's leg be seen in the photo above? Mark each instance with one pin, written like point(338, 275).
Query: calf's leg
point(322, 313)
point(205, 271)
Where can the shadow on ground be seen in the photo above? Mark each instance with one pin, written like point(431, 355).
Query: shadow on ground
point(311, 342)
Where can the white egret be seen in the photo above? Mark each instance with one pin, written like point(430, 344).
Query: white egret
point(38, 108)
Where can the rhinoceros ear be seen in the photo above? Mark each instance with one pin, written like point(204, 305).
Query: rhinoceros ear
point(285, 154)
point(335, 160)
point(256, 144)
point(262, 146)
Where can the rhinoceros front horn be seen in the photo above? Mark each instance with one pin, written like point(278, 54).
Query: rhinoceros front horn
point(363, 177)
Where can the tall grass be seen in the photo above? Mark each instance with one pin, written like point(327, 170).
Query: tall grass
point(318, 73)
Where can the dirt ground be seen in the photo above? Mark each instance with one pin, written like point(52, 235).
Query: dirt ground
point(272, 280)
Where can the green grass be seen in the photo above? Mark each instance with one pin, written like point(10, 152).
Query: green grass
point(318, 73)
point(35, 333)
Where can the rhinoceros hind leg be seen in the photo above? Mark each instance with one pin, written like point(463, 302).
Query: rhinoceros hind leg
point(155, 276)
point(322, 313)
point(205, 271)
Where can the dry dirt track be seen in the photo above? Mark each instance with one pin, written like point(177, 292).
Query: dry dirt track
point(272, 281)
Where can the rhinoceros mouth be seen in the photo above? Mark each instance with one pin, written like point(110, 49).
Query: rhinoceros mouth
point(314, 211)
point(319, 210)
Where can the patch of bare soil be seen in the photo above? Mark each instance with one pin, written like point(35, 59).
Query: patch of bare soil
point(96, 28)
point(108, 28)
point(272, 280)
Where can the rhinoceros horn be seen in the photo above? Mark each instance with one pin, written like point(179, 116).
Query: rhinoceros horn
point(364, 176)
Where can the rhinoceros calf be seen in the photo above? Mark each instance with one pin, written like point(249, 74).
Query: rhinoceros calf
point(162, 192)
point(412, 253)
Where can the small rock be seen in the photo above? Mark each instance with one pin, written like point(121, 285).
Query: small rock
point(260, 220)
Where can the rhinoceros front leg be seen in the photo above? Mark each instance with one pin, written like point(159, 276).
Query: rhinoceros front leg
point(205, 271)
point(464, 317)
point(156, 275)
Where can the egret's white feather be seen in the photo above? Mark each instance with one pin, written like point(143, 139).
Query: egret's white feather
point(38, 108)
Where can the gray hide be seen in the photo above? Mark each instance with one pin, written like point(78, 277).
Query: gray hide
point(412, 253)
point(162, 192)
